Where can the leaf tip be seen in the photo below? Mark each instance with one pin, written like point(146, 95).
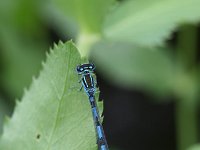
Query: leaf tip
point(25, 91)
point(60, 42)
point(17, 101)
point(47, 53)
point(6, 121)
point(55, 46)
point(43, 63)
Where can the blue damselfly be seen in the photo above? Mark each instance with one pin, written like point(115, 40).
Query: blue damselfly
point(89, 84)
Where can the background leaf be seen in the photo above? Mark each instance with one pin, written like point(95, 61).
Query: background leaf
point(53, 114)
point(149, 22)
point(194, 147)
point(88, 14)
point(22, 58)
point(133, 66)
point(23, 40)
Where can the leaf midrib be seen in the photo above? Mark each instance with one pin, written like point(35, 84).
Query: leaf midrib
point(60, 101)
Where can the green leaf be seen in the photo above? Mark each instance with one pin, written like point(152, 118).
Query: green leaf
point(89, 14)
point(21, 14)
point(195, 147)
point(53, 113)
point(22, 42)
point(132, 66)
point(149, 22)
point(21, 56)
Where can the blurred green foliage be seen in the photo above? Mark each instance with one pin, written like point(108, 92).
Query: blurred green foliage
point(127, 40)
point(149, 23)
point(23, 41)
point(140, 69)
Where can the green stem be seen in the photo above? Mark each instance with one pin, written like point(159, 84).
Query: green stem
point(187, 46)
point(186, 117)
point(186, 109)
point(85, 41)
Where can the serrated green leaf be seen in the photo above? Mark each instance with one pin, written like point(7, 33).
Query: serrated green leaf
point(53, 114)
point(149, 22)
point(132, 66)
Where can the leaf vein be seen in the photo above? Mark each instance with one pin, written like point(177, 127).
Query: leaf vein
point(60, 101)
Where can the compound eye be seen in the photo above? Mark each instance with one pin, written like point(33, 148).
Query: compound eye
point(92, 67)
point(79, 69)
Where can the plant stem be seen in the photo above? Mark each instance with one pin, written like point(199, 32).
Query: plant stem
point(186, 120)
point(186, 109)
point(85, 41)
point(187, 46)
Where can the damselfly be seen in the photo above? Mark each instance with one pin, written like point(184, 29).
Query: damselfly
point(89, 84)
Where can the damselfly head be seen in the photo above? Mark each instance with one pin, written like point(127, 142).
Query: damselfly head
point(85, 67)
